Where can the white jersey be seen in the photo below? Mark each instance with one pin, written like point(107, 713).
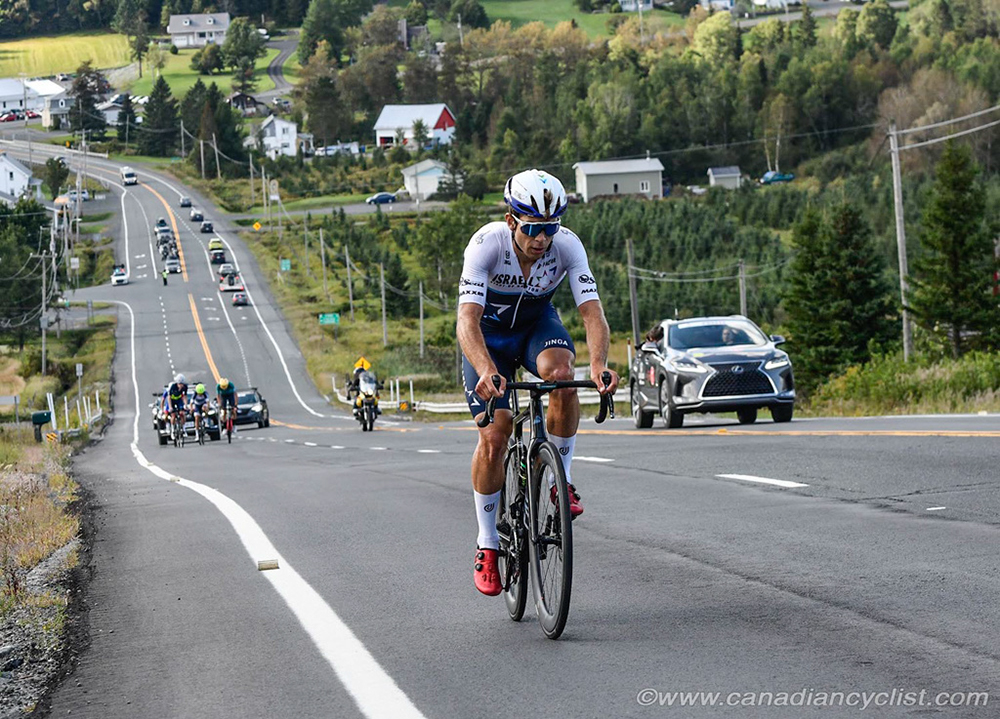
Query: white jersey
point(492, 277)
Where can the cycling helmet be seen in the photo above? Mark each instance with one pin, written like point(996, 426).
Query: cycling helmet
point(200, 389)
point(223, 383)
point(180, 379)
point(537, 194)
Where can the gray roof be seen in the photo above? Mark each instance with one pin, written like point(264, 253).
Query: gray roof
point(17, 165)
point(424, 166)
point(394, 117)
point(728, 171)
point(220, 21)
point(620, 167)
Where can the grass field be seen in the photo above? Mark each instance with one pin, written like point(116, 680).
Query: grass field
point(39, 56)
point(181, 77)
point(552, 12)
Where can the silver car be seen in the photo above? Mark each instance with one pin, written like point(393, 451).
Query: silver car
point(711, 364)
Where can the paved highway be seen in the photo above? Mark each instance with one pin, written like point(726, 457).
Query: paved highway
point(852, 556)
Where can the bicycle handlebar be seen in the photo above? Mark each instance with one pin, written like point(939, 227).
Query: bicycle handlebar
point(607, 400)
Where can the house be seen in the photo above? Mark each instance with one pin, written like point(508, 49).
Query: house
point(247, 105)
point(42, 89)
point(718, 5)
point(410, 35)
point(619, 177)
point(636, 5)
point(55, 111)
point(198, 30)
point(393, 119)
point(422, 179)
point(279, 137)
point(16, 180)
point(304, 142)
point(110, 109)
point(15, 95)
point(729, 177)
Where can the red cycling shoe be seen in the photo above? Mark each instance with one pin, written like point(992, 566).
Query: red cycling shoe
point(575, 508)
point(486, 574)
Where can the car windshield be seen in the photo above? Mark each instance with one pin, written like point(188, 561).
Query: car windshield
point(701, 334)
point(248, 398)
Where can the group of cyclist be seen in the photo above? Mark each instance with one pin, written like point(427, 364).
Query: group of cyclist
point(175, 401)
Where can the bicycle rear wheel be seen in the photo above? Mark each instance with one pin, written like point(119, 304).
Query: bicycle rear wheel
point(512, 559)
point(552, 553)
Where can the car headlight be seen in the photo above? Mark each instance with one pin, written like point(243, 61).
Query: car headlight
point(777, 362)
point(683, 365)
point(257, 407)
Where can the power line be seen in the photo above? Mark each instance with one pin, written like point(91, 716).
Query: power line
point(936, 140)
point(949, 122)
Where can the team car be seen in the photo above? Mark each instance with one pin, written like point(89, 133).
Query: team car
point(252, 407)
point(161, 419)
point(185, 202)
point(226, 268)
point(231, 283)
point(196, 215)
point(119, 276)
point(217, 257)
point(172, 265)
point(206, 226)
point(711, 364)
point(215, 244)
point(240, 299)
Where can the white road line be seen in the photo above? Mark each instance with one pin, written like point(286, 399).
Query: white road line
point(372, 689)
point(935, 509)
point(429, 451)
point(763, 480)
point(309, 444)
point(593, 459)
point(336, 446)
point(289, 441)
point(378, 449)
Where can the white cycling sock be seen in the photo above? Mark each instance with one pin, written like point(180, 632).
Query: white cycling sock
point(565, 445)
point(486, 514)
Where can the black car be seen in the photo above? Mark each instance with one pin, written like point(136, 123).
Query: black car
point(206, 226)
point(161, 419)
point(252, 407)
point(185, 202)
point(217, 257)
point(196, 215)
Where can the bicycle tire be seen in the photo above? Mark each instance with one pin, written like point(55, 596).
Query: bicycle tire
point(552, 555)
point(516, 595)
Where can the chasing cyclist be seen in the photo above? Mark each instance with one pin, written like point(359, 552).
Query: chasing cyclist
point(506, 319)
point(198, 404)
point(225, 393)
point(174, 401)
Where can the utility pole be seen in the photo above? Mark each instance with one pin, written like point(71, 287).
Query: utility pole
point(24, 106)
point(743, 288)
point(253, 200)
point(385, 331)
point(421, 319)
point(461, 37)
point(897, 197)
point(632, 295)
point(305, 241)
point(218, 166)
point(183, 153)
point(642, 35)
point(201, 143)
point(322, 259)
point(44, 318)
point(350, 286)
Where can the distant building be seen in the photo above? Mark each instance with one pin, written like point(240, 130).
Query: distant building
point(16, 180)
point(246, 105)
point(110, 109)
point(42, 89)
point(394, 119)
point(198, 30)
point(422, 179)
point(55, 111)
point(15, 96)
point(619, 177)
point(279, 137)
point(725, 5)
point(410, 35)
point(350, 148)
point(730, 177)
point(634, 5)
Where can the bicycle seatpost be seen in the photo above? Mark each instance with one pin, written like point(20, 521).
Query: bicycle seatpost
point(487, 417)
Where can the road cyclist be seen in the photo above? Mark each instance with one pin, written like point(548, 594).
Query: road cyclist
point(506, 319)
point(199, 406)
point(225, 393)
point(175, 403)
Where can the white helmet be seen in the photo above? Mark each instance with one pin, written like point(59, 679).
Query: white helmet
point(180, 379)
point(537, 194)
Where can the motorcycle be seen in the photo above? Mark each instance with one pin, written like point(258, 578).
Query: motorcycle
point(366, 404)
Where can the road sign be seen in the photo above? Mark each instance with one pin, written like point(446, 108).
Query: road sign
point(74, 263)
point(329, 318)
point(273, 185)
point(79, 370)
point(256, 226)
point(286, 265)
point(363, 364)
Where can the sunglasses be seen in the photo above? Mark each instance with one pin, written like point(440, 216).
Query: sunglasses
point(534, 229)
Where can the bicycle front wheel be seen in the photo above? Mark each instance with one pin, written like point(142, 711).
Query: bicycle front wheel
point(512, 559)
point(551, 541)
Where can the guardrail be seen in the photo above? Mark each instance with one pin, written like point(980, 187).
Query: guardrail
point(57, 150)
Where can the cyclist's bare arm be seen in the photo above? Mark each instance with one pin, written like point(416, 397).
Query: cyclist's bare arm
point(470, 338)
point(598, 339)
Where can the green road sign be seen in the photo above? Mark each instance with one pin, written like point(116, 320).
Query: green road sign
point(329, 318)
point(286, 265)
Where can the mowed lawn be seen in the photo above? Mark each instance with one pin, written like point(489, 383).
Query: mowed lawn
point(41, 56)
point(181, 77)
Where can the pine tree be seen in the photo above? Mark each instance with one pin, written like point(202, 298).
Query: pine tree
point(126, 120)
point(191, 107)
point(87, 91)
point(807, 27)
point(160, 126)
point(951, 288)
point(839, 298)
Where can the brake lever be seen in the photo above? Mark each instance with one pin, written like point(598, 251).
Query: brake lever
point(607, 401)
point(487, 417)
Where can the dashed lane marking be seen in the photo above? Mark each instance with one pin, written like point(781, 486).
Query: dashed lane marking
point(935, 509)
point(201, 336)
point(593, 459)
point(763, 480)
point(309, 444)
point(429, 451)
point(723, 432)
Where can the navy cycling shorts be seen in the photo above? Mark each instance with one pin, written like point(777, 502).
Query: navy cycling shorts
point(511, 349)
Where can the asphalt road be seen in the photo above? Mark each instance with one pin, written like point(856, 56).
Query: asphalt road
point(879, 574)
point(287, 45)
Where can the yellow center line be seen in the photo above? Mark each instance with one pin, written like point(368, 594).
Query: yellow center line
point(204, 341)
point(173, 222)
point(781, 433)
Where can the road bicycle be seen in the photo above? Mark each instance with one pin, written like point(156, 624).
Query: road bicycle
point(536, 532)
point(177, 428)
point(201, 432)
point(228, 421)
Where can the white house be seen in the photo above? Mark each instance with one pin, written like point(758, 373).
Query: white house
point(393, 119)
point(15, 95)
point(422, 179)
point(198, 30)
point(56, 109)
point(16, 180)
point(42, 89)
point(110, 109)
point(634, 5)
point(279, 137)
point(619, 177)
point(730, 177)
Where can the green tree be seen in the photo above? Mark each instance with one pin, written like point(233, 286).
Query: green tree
point(441, 242)
point(327, 20)
point(56, 173)
point(87, 91)
point(160, 128)
point(421, 135)
point(318, 93)
point(208, 60)
point(381, 27)
point(191, 106)
point(415, 13)
point(838, 301)
point(420, 80)
point(240, 51)
point(806, 28)
point(717, 39)
point(846, 31)
point(373, 80)
point(951, 288)
point(473, 14)
point(876, 24)
point(126, 120)
point(130, 21)
point(156, 58)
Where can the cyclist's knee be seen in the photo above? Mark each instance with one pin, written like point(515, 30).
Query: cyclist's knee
point(493, 440)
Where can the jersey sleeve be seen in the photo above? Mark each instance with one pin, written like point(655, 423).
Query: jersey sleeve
point(581, 279)
point(480, 257)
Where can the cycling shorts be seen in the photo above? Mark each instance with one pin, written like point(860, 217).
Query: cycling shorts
point(199, 408)
point(175, 405)
point(511, 349)
point(228, 400)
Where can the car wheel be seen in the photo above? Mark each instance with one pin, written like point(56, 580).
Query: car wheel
point(782, 412)
point(669, 416)
point(163, 440)
point(260, 425)
point(642, 418)
point(267, 421)
point(747, 415)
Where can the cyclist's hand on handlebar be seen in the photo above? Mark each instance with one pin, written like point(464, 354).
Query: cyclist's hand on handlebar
point(595, 375)
point(486, 388)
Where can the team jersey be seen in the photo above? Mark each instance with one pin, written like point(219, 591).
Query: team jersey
point(229, 391)
point(177, 391)
point(492, 277)
point(200, 400)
